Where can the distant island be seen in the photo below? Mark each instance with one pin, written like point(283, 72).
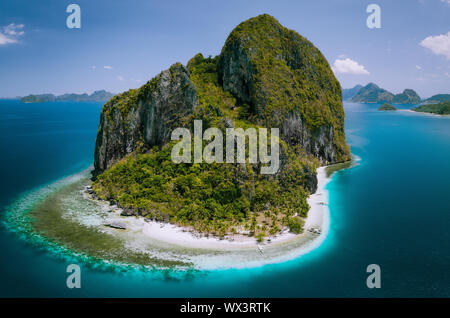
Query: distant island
point(408, 96)
point(348, 93)
point(372, 93)
point(387, 106)
point(442, 108)
point(437, 99)
point(97, 96)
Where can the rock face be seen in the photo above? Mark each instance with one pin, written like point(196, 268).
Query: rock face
point(283, 78)
point(144, 117)
point(288, 83)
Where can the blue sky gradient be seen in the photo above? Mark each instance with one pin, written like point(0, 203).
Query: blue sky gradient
point(138, 39)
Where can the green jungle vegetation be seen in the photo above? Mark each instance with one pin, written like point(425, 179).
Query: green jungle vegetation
point(439, 108)
point(387, 106)
point(220, 199)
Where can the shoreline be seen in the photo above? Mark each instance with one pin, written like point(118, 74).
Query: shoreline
point(423, 113)
point(318, 218)
point(77, 224)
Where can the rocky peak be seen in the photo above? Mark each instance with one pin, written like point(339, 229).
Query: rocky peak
point(144, 117)
point(371, 86)
point(288, 83)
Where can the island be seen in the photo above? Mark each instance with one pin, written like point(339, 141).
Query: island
point(437, 99)
point(408, 96)
point(140, 207)
point(387, 106)
point(97, 96)
point(262, 78)
point(42, 98)
point(372, 93)
point(348, 93)
point(442, 108)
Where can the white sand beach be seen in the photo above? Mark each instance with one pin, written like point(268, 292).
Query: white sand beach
point(409, 111)
point(165, 241)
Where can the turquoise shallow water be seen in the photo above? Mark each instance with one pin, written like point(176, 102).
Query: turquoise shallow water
point(392, 210)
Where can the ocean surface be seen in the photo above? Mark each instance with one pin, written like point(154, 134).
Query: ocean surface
point(392, 209)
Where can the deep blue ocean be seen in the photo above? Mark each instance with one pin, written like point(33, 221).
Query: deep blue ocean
point(392, 209)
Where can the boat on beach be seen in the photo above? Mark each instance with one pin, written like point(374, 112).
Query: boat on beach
point(315, 230)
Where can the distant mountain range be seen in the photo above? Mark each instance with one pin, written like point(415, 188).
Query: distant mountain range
point(409, 96)
point(372, 93)
point(97, 96)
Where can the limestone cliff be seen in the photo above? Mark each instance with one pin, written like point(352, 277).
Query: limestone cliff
point(282, 76)
point(288, 84)
point(144, 117)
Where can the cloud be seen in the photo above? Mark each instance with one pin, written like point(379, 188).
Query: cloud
point(418, 67)
point(14, 29)
point(348, 66)
point(439, 44)
point(120, 78)
point(6, 40)
point(11, 33)
point(446, 1)
point(108, 67)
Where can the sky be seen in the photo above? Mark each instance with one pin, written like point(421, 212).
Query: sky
point(123, 44)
